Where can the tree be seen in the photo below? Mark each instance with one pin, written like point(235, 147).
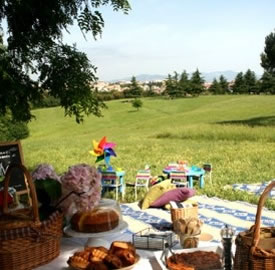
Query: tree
point(196, 83)
point(268, 56)
point(215, 87)
point(239, 85)
point(35, 47)
point(137, 103)
point(171, 86)
point(134, 89)
point(224, 85)
point(184, 84)
point(250, 82)
point(267, 83)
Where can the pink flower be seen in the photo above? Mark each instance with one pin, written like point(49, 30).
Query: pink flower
point(85, 180)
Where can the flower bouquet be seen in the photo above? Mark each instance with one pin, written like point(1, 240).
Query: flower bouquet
point(81, 187)
point(77, 189)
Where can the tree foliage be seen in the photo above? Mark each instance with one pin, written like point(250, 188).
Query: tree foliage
point(268, 56)
point(224, 85)
point(137, 103)
point(172, 88)
point(215, 87)
point(134, 90)
point(35, 46)
point(238, 86)
point(250, 82)
point(196, 83)
point(267, 83)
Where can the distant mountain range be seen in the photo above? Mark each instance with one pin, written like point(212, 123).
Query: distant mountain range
point(208, 76)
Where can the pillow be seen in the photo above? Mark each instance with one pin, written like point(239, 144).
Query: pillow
point(177, 195)
point(155, 192)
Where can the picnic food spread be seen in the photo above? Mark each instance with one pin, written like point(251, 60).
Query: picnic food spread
point(96, 220)
point(120, 254)
point(197, 260)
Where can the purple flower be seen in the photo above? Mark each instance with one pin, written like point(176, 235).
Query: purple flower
point(44, 171)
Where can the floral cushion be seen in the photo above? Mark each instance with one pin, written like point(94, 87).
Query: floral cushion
point(177, 195)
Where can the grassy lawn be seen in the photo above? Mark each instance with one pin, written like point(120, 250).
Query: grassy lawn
point(234, 133)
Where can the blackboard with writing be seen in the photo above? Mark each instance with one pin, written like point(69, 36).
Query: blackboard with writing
point(11, 152)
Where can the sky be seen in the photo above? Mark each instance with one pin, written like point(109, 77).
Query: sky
point(163, 36)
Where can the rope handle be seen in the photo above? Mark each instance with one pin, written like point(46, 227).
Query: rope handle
point(256, 234)
point(33, 196)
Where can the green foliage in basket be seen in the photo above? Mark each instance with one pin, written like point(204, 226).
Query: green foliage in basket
point(48, 191)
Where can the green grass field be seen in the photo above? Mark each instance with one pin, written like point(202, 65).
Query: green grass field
point(234, 133)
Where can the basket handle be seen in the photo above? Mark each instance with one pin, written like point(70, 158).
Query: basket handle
point(256, 234)
point(31, 187)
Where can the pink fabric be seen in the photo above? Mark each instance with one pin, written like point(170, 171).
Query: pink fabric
point(177, 195)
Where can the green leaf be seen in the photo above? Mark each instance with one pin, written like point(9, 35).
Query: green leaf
point(48, 190)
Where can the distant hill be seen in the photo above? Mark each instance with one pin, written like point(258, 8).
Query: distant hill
point(208, 76)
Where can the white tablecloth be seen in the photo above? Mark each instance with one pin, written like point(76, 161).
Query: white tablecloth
point(70, 245)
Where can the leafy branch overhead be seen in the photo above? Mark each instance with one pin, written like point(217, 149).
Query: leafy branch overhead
point(35, 46)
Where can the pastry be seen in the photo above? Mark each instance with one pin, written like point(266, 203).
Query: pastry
point(121, 254)
point(96, 220)
point(198, 260)
point(78, 262)
point(118, 245)
point(113, 262)
point(125, 251)
point(97, 266)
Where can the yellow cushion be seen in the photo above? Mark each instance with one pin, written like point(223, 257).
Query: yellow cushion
point(155, 192)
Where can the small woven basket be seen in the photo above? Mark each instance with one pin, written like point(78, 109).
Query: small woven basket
point(178, 213)
point(252, 251)
point(25, 242)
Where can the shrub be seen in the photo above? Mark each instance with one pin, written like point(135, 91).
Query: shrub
point(137, 103)
point(46, 102)
point(11, 130)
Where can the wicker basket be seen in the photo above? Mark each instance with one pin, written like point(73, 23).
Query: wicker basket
point(252, 251)
point(177, 213)
point(25, 242)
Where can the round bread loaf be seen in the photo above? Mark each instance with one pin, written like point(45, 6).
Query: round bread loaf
point(96, 220)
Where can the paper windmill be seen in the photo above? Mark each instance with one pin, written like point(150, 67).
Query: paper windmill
point(103, 150)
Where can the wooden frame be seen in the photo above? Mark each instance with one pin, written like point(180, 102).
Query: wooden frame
point(11, 152)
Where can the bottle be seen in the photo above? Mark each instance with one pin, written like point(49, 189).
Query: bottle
point(227, 234)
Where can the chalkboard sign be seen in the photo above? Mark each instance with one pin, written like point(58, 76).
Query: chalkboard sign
point(11, 152)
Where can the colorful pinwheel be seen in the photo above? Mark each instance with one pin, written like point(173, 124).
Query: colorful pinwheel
point(103, 150)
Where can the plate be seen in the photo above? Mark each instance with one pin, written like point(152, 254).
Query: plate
point(121, 227)
point(215, 248)
point(206, 237)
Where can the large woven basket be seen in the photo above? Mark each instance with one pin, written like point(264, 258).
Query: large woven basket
point(25, 242)
point(254, 252)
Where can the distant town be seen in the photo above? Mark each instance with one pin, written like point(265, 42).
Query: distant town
point(157, 86)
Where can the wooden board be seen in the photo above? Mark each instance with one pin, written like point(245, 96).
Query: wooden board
point(11, 152)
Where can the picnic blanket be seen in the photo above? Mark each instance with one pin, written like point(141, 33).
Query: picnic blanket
point(214, 212)
point(257, 189)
